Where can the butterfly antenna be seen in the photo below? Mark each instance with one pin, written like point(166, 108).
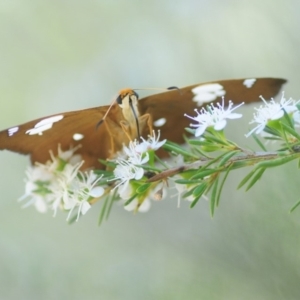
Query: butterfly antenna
point(159, 89)
point(174, 88)
point(104, 117)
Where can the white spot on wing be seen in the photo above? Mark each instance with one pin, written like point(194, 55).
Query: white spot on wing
point(207, 93)
point(43, 125)
point(249, 82)
point(12, 131)
point(160, 122)
point(78, 136)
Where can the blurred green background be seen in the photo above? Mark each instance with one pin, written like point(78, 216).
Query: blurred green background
point(64, 55)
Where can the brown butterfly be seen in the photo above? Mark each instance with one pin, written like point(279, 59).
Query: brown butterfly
point(127, 119)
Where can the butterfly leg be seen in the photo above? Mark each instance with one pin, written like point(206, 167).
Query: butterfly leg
point(146, 125)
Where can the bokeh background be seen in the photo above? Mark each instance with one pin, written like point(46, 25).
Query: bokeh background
point(64, 55)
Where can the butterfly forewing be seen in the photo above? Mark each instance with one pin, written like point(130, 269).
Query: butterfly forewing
point(71, 129)
point(167, 109)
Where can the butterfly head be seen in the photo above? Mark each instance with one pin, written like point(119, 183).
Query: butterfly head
point(127, 96)
point(128, 101)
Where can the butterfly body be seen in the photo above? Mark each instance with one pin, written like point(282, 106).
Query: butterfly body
point(128, 119)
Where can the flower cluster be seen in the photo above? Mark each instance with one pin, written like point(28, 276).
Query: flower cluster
point(129, 168)
point(135, 178)
point(214, 117)
point(272, 111)
point(59, 184)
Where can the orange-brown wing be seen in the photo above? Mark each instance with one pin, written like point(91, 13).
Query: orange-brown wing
point(69, 129)
point(168, 108)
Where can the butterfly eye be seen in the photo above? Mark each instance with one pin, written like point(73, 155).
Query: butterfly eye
point(119, 99)
point(121, 96)
point(135, 94)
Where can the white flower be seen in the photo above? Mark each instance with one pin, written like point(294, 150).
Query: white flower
point(182, 189)
point(135, 156)
point(80, 191)
point(129, 166)
point(133, 205)
point(152, 143)
point(214, 117)
point(126, 170)
point(38, 187)
point(273, 111)
point(65, 156)
point(65, 180)
point(60, 184)
point(157, 193)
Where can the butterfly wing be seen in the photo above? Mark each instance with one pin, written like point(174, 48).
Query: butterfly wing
point(168, 108)
point(69, 129)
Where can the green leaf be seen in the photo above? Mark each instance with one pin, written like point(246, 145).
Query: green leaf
point(242, 164)
point(275, 124)
point(112, 199)
point(151, 156)
point(105, 173)
point(187, 181)
point(260, 144)
point(277, 161)
point(222, 185)
point(199, 190)
point(212, 161)
point(213, 198)
point(214, 139)
point(197, 142)
point(291, 131)
point(106, 207)
point(148, 168)
point(107, 163)
point(143, 188)
point(160, 161)
point(206, 172)
point(211, 148)
point(227, 157)
point(288, 119)
point(190, 130)
point(202, 153)
point(295, 206)
point(271, 131)
point(103, 210)
point(255, 178)
point(189, 193)
point(169, 146)
point(195, 202)
point(130, 199)
point(73, 219)
point(246, 178)
point(188, 173)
